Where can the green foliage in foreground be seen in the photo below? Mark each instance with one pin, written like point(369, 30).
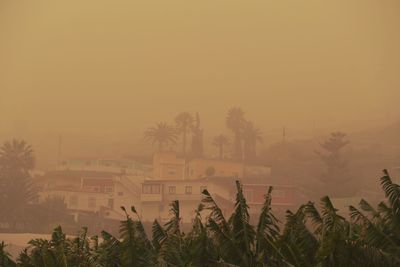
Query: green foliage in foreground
point(311, 236)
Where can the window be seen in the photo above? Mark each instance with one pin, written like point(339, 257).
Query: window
point(171, 171)
point(155, 189)
point(108, 189)
point(151, 189)
point(73, 201)
point(146, 189)
point(110, 203)
point(171, 189)
point(92, 202)
point(202, 188)
point(188, 190)
point(120, 194)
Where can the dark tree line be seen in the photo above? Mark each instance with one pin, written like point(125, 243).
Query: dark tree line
point(246, 136)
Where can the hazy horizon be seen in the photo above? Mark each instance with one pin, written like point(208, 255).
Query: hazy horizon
point(97, 69)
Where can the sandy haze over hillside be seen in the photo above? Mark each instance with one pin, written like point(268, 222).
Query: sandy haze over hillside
point(105, 70)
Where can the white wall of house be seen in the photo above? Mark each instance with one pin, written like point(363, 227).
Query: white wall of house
point(156, 197)
point(77, 200)
point(80, 200)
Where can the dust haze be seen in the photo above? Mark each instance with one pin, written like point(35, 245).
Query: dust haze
point(167, 116)
point(98, 72)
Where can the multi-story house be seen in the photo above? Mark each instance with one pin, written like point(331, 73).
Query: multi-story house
point(86, 192)
point(174, 179)
point(157, 195)
point(102, 186)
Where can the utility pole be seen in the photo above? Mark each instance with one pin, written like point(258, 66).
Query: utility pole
point(59, 150)
point(284, 135)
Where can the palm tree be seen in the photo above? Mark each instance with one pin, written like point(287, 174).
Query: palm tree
point(336, 173)
point(312, 236)
point(162, 133)
point(5, 257)
point(197, 137)
point(235, 122)
point(221, 141)
point(251, 136)
point(239, 243)
point(184, 122)
point(16, 156)
point(379, 239)
point(16, 187)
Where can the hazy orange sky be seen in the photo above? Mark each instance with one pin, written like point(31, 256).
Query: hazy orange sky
point(95, 67)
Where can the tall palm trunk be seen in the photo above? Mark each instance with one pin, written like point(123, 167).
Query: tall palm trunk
point(184, 137)
point(160, 146)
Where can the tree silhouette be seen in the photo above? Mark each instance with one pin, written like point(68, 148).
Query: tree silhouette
point(221, 141)
point(251, 136)
point(162, 134)
point(16, 156)
point(197, 138)
point(5, 257)
point(184, 122)
point(235, 121)
point(313, 235)
point(336, 166)
point(17, 191)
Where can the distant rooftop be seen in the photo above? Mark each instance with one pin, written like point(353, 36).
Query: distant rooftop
point(104, 165)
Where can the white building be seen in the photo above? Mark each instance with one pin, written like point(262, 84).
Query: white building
point(102, 193)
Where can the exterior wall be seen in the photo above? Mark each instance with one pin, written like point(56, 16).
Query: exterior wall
point(225, 191)
point(257, 171)
point(97, 195)
point(157, 196)
point(281, 195)
point(155, 205)
point(160, 211)
point(97, 185)
point(123, 196)
point(167, 166)
point(105, 165)
point(76, 200)
point(62, 182)
point(197, 168)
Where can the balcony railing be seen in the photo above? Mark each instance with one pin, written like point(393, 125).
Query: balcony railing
point(172, 197)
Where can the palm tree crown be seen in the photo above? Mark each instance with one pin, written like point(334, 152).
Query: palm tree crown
point(162, 134)
point(312, 236)
point(16, 155)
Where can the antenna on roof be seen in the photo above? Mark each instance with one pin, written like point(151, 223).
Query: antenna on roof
point(284, 135)
point(59, 150)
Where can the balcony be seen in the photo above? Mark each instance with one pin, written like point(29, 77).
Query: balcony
point(182, 197)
